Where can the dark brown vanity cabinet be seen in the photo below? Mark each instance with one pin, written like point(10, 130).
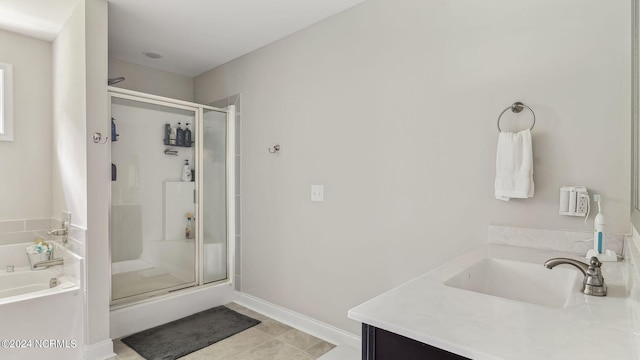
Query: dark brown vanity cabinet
point(379, 344)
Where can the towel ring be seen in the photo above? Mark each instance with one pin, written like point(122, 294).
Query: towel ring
point(516, 108)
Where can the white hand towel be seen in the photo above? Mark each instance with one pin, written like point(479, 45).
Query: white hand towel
point(514, 166)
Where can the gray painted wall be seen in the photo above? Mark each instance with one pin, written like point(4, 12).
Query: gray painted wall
point(151, 81)
point(392, 105)
point(25, 164)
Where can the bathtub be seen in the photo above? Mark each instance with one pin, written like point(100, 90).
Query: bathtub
point(24, 284)
point(38, 321)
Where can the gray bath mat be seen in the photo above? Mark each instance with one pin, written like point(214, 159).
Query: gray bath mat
point(184, 336)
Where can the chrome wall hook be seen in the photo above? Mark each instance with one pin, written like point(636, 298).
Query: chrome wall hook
point(275, 150)
point(97, 138)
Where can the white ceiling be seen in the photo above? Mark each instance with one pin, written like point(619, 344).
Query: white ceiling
point(42, 19)
point(197, 35)
point(192, 35)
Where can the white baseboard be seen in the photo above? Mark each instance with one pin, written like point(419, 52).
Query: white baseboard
point(301, 322)
point(99, 351)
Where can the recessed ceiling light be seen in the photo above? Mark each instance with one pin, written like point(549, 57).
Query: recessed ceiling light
point(152, 55)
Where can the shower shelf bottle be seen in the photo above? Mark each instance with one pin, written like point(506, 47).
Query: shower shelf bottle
point(167, 134)
point(187, 136)
point(188, 230)
point(186, 171)
point(172, 135)
point(179, 136)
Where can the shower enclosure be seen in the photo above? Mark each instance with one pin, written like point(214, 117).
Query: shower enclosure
point(168, 231)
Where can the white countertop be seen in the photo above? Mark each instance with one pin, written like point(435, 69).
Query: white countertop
point(480, 326)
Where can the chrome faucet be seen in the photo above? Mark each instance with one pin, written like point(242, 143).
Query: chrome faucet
point(47, 263)
point(593, 283)
point(64, 232)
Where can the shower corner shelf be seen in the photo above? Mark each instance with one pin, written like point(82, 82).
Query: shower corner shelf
point(184, 146)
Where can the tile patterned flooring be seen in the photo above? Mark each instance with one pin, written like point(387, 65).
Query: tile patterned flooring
point(269, 340)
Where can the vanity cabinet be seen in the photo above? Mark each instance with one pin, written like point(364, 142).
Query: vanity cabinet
point(379, 344)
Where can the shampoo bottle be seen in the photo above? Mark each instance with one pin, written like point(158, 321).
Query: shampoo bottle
point(179, 136)
point(114, 132)
point(172, 135)
point(187, 137)
point(186, 171)
point(167, 134)
point(188, 230)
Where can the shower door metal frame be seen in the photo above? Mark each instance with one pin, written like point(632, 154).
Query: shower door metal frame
point(114, 92)
point(230, 191)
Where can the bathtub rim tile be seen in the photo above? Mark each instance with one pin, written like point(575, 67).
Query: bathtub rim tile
point(12, 226)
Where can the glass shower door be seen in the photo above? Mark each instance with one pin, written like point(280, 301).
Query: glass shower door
point(151, 252)
point(214, 195)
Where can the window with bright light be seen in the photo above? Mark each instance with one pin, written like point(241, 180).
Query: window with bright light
point(6, 102)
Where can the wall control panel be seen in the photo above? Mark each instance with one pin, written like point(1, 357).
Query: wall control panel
point(574, 201)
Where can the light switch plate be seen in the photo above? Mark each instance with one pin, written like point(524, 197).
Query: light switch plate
point(317, 192)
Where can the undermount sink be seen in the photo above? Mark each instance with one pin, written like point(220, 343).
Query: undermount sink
point(521, 281)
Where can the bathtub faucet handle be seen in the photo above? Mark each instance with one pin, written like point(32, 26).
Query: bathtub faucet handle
point(64, 232)
point(10, 268)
